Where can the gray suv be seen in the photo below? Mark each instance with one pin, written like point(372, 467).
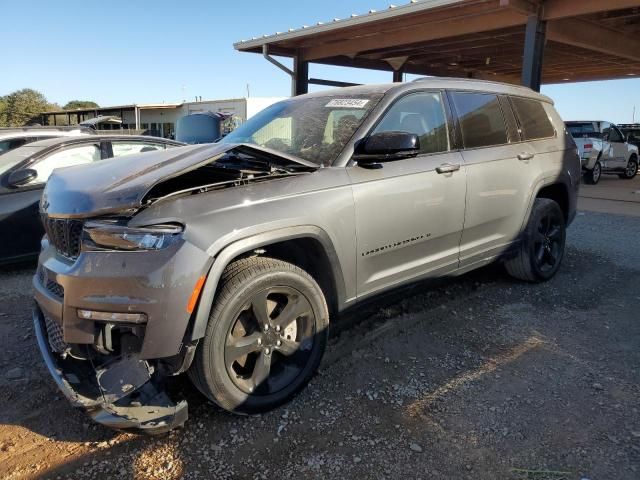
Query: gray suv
point(226, 261)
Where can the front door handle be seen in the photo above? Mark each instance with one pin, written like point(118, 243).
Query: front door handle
point(525, 156)
point(448, 167)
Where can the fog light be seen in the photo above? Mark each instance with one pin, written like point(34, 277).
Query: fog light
point(113, 316)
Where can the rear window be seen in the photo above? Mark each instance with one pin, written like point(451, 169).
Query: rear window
point(534, 121)
point(481, 119)
point(583, 129)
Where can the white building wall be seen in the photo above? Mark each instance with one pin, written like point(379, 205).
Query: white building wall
point(164, 119)
point(256, 104)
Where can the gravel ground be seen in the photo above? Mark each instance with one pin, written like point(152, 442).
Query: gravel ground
point(475, 378)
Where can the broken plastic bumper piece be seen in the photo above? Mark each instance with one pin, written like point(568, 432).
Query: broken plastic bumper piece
point(122, 394)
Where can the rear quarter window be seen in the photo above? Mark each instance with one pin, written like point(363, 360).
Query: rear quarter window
point(481, 120)
point(534, 121)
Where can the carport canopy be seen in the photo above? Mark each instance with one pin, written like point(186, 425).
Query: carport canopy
point(515, 41)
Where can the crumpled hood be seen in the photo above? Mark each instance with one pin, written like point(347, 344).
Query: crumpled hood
point(120, 184)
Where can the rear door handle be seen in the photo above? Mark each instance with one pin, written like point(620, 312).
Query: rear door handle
point(448, 167)
point(525, 156)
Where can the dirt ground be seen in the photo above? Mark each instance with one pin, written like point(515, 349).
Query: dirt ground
point(476, 378)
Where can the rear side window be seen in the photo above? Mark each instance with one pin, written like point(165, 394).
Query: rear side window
point(534, 121)
point(481, 119)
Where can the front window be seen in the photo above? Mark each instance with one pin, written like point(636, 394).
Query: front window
point(312, 128)
point(13, 157)
point(422, 114)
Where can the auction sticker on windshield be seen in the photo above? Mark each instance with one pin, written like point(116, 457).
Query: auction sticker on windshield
point(347, 103)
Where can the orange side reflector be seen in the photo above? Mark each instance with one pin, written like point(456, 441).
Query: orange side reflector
point(195, 294)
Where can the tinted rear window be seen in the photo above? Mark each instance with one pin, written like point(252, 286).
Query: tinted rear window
point(481, 119)
point(534, 121)
point(583, 129)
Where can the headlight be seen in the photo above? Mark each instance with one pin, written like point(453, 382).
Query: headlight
point(111, 236)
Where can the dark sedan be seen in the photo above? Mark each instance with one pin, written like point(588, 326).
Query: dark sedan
point(25, 170)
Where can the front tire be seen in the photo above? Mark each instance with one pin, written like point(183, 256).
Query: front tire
point(265, 338)
point(592, 177)
point(542, 247)
point(631, 170)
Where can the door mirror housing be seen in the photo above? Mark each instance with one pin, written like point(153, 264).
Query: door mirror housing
point(386, 147)
point(21, 177)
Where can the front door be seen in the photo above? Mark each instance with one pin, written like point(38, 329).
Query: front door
point(19, 213)
point(409, 217)
point(617, 154)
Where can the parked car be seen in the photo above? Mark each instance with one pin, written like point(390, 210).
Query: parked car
point(24, 171)
point(227, 260)
point(11, 138)
point(603, 149)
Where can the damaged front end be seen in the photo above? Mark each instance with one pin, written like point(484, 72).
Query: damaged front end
point(120, 392)
point(115, 294)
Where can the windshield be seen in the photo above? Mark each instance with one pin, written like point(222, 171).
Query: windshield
point(15, 156)
point(313, 128)
point(583, 129)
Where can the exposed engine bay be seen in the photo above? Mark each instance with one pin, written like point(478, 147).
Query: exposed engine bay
point(239, 166)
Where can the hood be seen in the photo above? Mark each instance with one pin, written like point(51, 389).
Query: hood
point(121, 184)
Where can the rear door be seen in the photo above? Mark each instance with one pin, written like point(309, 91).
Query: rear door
point(500, 171)
point(408, 215)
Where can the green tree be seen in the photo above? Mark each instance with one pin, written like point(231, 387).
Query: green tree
point(80, 104)
point(3, 111)
point(22, 107)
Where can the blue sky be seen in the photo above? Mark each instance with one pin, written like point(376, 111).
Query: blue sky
point(120, 51)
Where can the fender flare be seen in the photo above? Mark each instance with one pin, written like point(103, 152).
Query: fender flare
point(542, 183)
point(244, 245)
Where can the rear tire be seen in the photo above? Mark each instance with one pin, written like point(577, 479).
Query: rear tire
point(542, 247)
point(592, 177)
point(631, 170)
point(265, 338)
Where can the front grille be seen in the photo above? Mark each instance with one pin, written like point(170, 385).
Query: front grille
point(56, 338)
point(52, 286)
point(55, 288)
point(64, 234)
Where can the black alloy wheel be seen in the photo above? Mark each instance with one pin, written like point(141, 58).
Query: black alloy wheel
point(541, 247)
point(270, 341)
point(265, 338)
point(548, 242)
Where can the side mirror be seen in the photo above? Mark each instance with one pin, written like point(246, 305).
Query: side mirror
point(21, 177)
point(386, 147)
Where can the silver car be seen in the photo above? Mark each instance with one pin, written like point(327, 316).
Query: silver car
point(227, 261)
point(15, 137)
